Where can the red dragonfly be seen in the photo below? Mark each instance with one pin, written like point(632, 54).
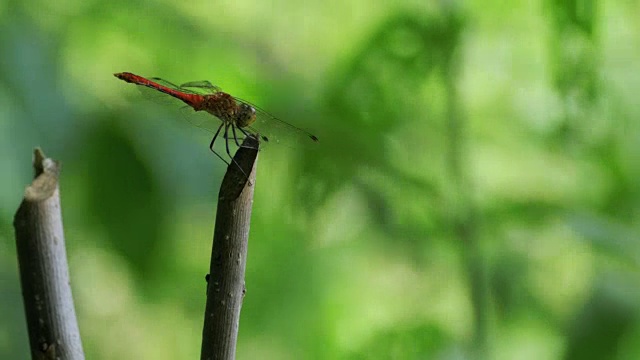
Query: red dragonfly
point(234, 113)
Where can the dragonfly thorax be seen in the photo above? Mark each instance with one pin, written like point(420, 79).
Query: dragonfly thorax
point(245, 115)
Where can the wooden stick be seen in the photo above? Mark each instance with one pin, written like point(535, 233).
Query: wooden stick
point(44, 274)
point(226, 288)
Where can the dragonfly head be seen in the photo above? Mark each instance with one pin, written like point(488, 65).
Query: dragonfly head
point(245, 116)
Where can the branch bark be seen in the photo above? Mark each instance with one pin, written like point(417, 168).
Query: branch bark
point(225, 289)
point(44, 275)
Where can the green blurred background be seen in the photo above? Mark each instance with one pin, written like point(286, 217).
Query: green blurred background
point(472, 195)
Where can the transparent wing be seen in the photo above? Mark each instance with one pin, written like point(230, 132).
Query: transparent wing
point(171, 85)
point(201, 87)
point(272, 130)
point(183, 112)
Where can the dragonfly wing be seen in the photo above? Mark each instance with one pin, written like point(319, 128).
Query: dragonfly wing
point(201, 86)
point(166, 83)
point(200, 119)
point(273, 130)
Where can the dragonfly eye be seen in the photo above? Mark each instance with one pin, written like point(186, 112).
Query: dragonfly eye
point(245, 116)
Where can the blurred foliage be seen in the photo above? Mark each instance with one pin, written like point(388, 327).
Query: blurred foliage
point(472, 195)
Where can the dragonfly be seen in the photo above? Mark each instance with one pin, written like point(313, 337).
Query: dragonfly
point(237, 117)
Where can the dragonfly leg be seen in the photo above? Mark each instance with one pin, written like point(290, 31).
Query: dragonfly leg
point(226, 138)
point(235, 137)
point(257, 136)
point(226, 142)
point(213, 141)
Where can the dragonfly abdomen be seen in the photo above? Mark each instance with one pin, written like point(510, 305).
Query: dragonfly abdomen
point(190, 99)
